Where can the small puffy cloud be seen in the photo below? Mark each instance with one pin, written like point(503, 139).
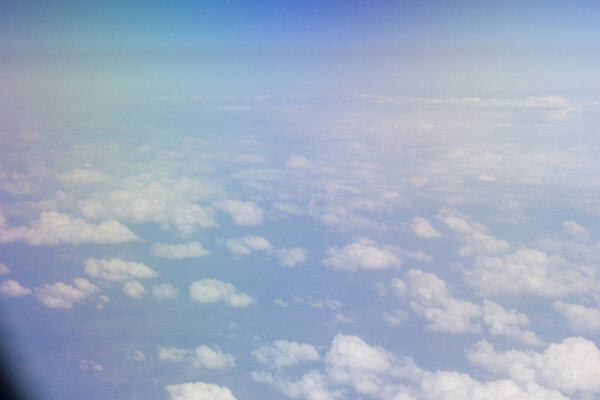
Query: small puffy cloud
point(198, 390)
point(200, 357)
point(247, 244)
point(62, 295)
point(362, 253)
point(211, 291)
point(244, 213)
point(474, 236)
point(179, 251)
point(527, 271)
point(12, 288)
point(134, 289)
point(283, 353)
point(501, 321)
point(422, 228)
point(579, 317)
point(117, 270)
point(4, 269)
point(137, 355)
point(54, 228)
point(433, 301)
point(292, 256)
point(348, 351)
point(327, 302)
point(570, 366)
point(165, 291)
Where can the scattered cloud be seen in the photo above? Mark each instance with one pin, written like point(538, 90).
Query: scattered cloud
point(284, 353)
point(580, 318)
point(198, 390)
point(244, 213)
point(200, 357)
point(363, 253)
point(134, 289)
point(422, 228)
point(12, 288)
point(212, 291)
point(54, 228)
point(179, 251)
point(63, 295)
point(117, 270)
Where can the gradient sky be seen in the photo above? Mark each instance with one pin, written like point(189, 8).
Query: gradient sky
point(300, 200)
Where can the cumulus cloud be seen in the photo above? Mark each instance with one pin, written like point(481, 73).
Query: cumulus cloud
point(179, 251)
point(474, 236)
point(352, 365)
point(579, 317)
point(501, 321)
point(200, 357)
point(117, 270)
point(362, 253)
point(54, 228)
point(284, 353)
point(244, 213)
point(570, 366)
point(12, 288)
point(292, 256)
point(422, 228)
point(157, 198)
point(62, 295)
point(527, 271)
point(247, 244)
point(198, 390)
point(165, 291)
point(396, 318)
point(213, 291)
point(89, 365)
point(134, 289)
point(433, 301)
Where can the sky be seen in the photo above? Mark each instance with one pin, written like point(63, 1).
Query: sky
point(300, 200)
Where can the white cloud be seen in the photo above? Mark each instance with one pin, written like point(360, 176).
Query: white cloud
point(570, 366)
point(433, 301)
point(362, 253)
point(284, 353)
point(579, 317)
point(198, 390)
point(244, 213)
point(165, 291)
point(179, 251)
point(62, 295)
point(212, 291)
point(422, 228)
point(501, 321)
point(55, 228)
point(474, 235)
point(527, 271)
point(292, 256)
point(158, 198)
point(299, 162)
point(4, 269)
point(134, 289)
point(247, 244)
point(12, 288)
point(115, 269)
point(137, 355)
point(200, 357)
point(281, 303)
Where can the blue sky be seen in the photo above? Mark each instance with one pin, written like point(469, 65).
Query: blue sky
point(304, 200)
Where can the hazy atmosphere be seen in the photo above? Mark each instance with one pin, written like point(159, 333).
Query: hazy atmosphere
point(315, 200)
